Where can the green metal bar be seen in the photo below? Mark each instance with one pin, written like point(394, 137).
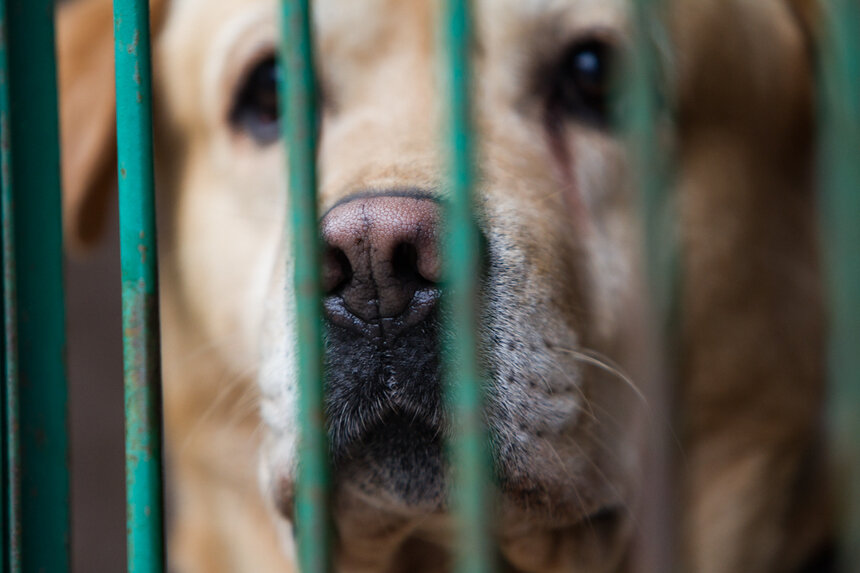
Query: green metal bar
point(657, 538)
point(139, 261)
point(839, 98)
point(35, 172)
point(299, 106)
point(10, 532)
point(464, 391)
point(650, 163)
point(41, 522)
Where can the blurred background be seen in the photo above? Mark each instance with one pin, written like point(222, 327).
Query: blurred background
point(96, 405)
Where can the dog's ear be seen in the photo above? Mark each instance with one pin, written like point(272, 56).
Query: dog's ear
point(88, 114)
point(808, 15)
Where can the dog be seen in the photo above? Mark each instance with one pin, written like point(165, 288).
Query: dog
point(563, 333)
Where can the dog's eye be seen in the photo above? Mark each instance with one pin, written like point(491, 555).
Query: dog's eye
point(585, 81)
point(255, 109)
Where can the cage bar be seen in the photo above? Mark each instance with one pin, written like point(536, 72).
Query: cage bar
point(657, 536)
point(10, 484)
point(34, 170)
point(839, 98)
point(299, 102)
point(464, 391)
point(139, 263)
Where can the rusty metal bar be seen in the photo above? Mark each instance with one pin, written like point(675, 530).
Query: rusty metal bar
point(464, 389)
point(34, 173)
point(10, 482)
point(300, 133)
point(139, 261)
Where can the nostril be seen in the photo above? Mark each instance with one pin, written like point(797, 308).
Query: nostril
point(404, 262)
point(428, 263)
point(410, 264)
point(337, 272)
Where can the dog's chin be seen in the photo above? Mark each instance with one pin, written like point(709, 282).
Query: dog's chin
point(399, 463)
point(384, 409)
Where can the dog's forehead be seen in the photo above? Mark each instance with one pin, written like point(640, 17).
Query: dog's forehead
point(365, 20)
point(525, 10)
point(511, 29)
point(366, 24)
point(355, 26)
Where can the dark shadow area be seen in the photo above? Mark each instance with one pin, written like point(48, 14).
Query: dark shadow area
point(96, 406)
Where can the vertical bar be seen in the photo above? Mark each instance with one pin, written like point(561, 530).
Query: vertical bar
point(839, 91)
point(470, 458)
point(299, 103)
point(10, 538)
point(657, 536)
point(139, 260)
point(35, 173)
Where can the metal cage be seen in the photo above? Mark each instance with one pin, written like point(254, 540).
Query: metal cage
point(35, 495)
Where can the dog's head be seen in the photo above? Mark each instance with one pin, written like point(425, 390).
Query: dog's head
point(561, 315)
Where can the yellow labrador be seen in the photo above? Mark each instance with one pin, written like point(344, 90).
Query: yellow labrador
point(561, 334)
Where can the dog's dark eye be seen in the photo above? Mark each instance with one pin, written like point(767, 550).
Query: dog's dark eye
point(585, 81)
point(255, 109)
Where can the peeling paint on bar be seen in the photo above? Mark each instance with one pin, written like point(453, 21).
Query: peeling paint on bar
point(839, 91)
point(141, 351)
point(464, 390)
point(298, 102)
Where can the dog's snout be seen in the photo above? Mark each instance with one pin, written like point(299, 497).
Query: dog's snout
point(381, 273)
point(381, 260)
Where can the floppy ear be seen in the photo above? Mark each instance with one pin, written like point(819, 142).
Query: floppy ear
point(808, 14)
point(88, 114)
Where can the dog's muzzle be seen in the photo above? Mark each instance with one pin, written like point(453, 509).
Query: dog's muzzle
point(381, 272)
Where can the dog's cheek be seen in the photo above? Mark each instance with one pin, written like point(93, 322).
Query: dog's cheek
point(277, 483)
point(535, 396)
point(223, 259)
point(277, 384)
point(277, 470)
point(556, 285)
point(606, 230)
point(591, 229)
point(277, 474)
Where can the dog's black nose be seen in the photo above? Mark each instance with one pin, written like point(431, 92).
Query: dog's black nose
point(381, 261)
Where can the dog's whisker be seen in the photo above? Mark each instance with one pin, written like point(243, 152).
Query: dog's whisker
point(599, 360)
point(586, 406)
point(257, 432)
point(229, 386)
point(248, 404)
point(210, 347)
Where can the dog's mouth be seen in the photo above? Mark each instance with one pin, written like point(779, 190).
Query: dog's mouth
point(384, 407)
point(401, 458)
